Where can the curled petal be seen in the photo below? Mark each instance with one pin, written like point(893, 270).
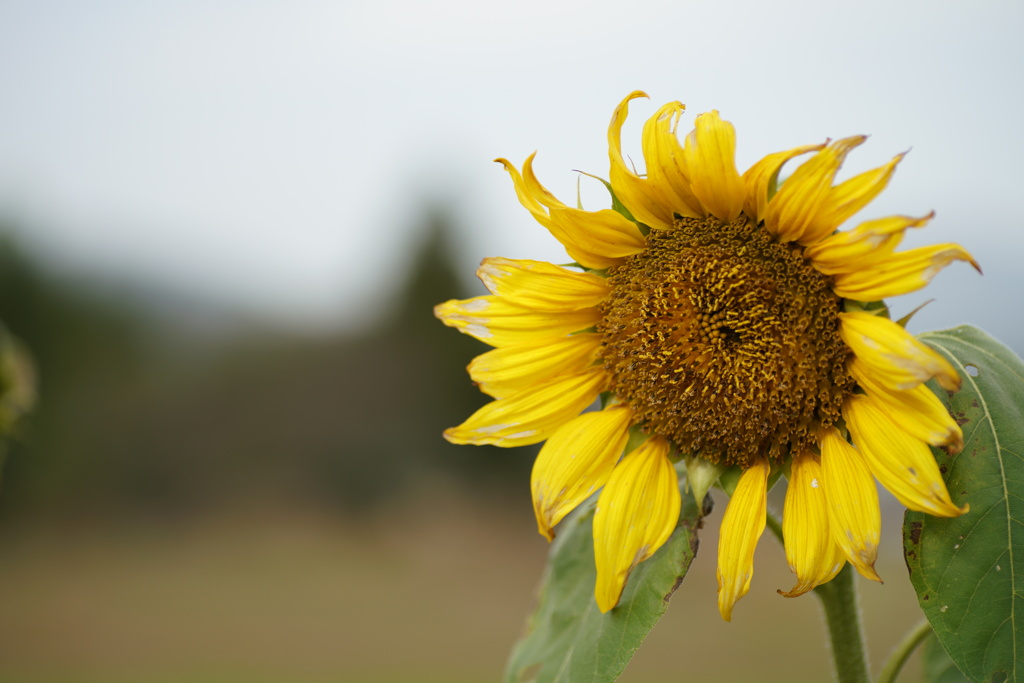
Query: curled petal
point(899, 273)
point(918, 410)
point(642, 197)
point(851, 250)
point(494, 321)
point(742, 526)
point(892, 354)
point(666, 163)
point(511, 369)
point(903, 464)
point(793, 212)
point(636, 513)
point(810, 551)
point(760, 179)
point(541, 286)
point(711, 163)
point(853, 513)
point(595, 239)
point(575, 462)
point(531, 415)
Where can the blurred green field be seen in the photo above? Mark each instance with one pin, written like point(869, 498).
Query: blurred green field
point(434, 591)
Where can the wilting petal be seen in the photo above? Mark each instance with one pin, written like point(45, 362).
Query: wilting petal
point(761, 178)
point(533, 414)
point(540, 285)
point(794, 209)
point(899, 273)
point(742, 526)
point(636, 513)
point(576, 461)
point(892, 354)
point(851, 250)
point(595, 239)
point(494, 321)
point(918, 410)
point(606, 234)
point(846, 199)
point(853, 513)
point(666, 163)
point(511, 369)
point(711, 164)
point(810, 551)
point(903, 464)
point(639, 195)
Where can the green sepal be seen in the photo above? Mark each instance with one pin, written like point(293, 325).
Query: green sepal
point(637, 437)
point(729, 478)
point(879, 307)
point(902, 322)
point(701, 475)
point(617, 206)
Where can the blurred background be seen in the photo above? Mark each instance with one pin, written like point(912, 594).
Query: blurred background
point(223, 226)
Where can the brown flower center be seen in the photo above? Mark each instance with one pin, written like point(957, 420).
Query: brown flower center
point(725, 341)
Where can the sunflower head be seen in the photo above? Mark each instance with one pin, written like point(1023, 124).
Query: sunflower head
point(726, 318)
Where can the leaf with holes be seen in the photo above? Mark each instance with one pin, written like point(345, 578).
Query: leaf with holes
point(969, 571)
point(568, 639)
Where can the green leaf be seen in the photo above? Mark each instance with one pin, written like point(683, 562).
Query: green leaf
point(937, 667)
point(568, 639)
point(969, 571)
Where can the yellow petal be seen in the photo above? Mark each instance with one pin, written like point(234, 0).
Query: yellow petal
point(892, 354)
point(527, 199)
point(846, 199)
point(595, 239)
point(494, 321)
point(850, 250)
point(711, 164)
point(762, 177)
point(575, 462)
point(899, 273)
point(853, 513)
point(903, 464)
point(605, 234)
point(541, 286)
point(795, 207)
point(918, 410)
point(810, 551)
point(742, 526)
point(533, 414)
point(636, 513)
point(639, 195)
point(511, 369)
point(666, 162)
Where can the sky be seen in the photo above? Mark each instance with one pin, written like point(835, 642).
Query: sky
point(276, 157)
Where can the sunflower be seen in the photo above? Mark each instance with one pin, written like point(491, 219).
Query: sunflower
point(724, 318)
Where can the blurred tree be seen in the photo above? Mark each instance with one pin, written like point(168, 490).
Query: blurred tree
point(284, 419)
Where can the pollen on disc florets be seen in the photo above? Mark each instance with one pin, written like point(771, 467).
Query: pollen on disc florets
point(725, 341)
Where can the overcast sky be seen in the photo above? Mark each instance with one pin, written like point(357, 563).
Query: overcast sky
point(275, 155)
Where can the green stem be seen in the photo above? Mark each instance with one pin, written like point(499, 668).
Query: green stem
point(903, 651)
point(839, 598)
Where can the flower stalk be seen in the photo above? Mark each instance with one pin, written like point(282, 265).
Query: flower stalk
point(842, 614)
